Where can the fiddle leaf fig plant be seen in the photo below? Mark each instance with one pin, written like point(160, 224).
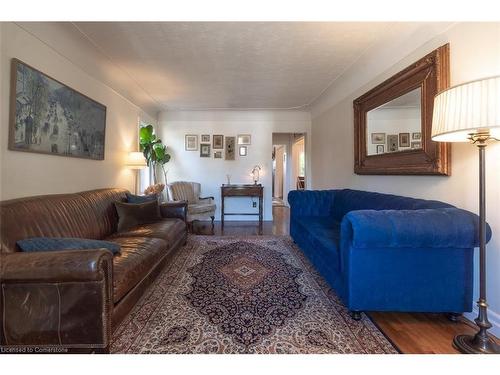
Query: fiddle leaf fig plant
point(155, 152)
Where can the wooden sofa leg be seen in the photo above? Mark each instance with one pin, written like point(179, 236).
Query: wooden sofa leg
point(454, 317)
point(356, 315)
point(213, 218)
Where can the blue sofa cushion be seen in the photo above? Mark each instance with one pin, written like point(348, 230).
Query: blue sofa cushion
point(55, 244)
point(324, 234)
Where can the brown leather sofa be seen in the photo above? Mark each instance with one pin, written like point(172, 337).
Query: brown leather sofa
point(75, 299)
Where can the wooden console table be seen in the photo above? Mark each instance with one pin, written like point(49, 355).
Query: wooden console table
point(242, 191)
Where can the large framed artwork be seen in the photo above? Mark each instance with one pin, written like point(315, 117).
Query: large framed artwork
point(48, 117)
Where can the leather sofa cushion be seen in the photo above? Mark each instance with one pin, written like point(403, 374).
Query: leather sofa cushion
point(133, 214)
point(138, 257)
point(168, 230)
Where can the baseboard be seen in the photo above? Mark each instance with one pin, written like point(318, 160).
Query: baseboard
point(493, 317)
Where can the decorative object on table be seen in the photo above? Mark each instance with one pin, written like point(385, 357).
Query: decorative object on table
point(155, 189)
point(416, 145)
point(198, 208)
point(246, 190)
point(228, 178)
point(392, 142)
point(380, 149)
point(48, 117)
point(205, 150)
point(243, 150)
point(470, 112)
point(217, 142)
point(378, 138)
point(417, 136)
point(136, 161)
point(244, 139)
point(230, 148)
point(256, 174)
point(191, 142)
point(218, 155)
point(205, 138)
point(404, 139)
point(154, 151)
point(417, 84)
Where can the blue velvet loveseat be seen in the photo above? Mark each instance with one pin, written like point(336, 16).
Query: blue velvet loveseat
point(384, 252)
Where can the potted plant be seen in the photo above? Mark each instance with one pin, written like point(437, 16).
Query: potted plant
point(155, 152)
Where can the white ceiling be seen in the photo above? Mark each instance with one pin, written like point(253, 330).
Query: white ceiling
point(233, 65)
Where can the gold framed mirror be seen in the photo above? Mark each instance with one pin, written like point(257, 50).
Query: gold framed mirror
point(393, 122)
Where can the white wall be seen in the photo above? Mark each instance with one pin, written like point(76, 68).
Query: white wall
point(474, 53)
point(210, 172)
point(24, 174)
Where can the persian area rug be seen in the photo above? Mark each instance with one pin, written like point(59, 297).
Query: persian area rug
point(243, 295)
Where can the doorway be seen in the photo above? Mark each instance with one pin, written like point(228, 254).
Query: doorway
point(288, 158)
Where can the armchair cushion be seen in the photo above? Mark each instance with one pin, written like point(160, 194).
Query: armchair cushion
point(202, 207)
point(183, 191)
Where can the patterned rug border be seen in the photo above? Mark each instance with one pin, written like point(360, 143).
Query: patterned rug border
point(150, 305)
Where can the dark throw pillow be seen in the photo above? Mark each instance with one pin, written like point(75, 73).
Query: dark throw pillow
point(132, 214)
point(57, 244)
point(131, 198)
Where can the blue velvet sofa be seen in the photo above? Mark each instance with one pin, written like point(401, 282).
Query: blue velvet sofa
point(384, 252)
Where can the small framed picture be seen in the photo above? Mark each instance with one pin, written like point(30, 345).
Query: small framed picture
point(244, 139)
point(378, 138)
point(380, 149)
point(416, 144)
point(416, 136)
point(404, 139)
point(218, 155)
point(218, 142)
point(205, 150)
point(392, 143)
point(191, 142)
point(243, 150)
point(205, 138)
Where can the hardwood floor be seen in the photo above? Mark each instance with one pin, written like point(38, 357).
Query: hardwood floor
point(415, 333)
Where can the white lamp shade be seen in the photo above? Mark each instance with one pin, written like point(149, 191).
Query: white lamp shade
point(136, 160)
point(468, 108)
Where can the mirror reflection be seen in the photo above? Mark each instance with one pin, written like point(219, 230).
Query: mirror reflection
point(396, 125)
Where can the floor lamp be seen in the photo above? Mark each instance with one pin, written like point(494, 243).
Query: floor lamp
point(136, 161)
point(470, 112)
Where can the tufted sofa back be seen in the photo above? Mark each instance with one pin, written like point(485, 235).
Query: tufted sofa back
point(89, 214)
point(347, 200)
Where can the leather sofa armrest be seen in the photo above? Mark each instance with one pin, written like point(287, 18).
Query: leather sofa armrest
point(176, 210)
point(49, 297)
point(56, 266)
point(423, 228)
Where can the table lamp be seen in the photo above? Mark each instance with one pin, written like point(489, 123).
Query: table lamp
point(136, 160)
point(470, 112)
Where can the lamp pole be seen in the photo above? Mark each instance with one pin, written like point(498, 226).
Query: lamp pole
point(480, 343)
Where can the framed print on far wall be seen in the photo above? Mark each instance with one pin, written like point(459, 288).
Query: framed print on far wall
point(191, 142)
point(378, 138)
point(404, 139)
point(392, 143)
point(218, 155)
point(230, 148)
point(217, 142)
point(244, 139)
point(205, 138)
point(416, 136)
point(416, 144)
point(243, 151)
point(204, 150)
point(380, 149)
